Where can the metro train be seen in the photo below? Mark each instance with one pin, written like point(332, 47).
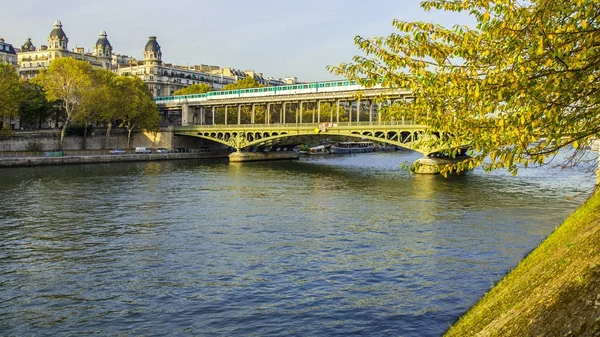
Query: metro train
point(305, 88)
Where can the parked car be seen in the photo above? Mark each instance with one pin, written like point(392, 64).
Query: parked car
point(118, 151)
point(162, 150)
point(141, 149)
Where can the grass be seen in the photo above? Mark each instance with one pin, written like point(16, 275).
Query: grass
point(554, 291)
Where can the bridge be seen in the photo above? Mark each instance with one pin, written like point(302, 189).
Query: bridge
point(246, 137)
point(294, 114)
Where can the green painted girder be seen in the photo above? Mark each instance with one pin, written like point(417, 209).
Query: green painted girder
point(245, 136)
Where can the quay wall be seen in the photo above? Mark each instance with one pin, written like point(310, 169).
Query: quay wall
point(70, 160)
point(47, 140)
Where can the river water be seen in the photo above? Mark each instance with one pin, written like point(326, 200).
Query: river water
point(323, 246)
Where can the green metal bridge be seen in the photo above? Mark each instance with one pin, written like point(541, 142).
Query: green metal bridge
point(245, 137)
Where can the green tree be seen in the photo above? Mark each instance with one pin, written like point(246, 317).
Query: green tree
point(111, 98)
point(10, 94)
point(199, 88)
point(244, 83)
point(519, 86)
point(34, 108)
point(66, 80)
point(100, 103)
point(137, 107)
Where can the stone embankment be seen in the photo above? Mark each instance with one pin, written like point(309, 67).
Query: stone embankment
point(92, 159)
point(238, 157)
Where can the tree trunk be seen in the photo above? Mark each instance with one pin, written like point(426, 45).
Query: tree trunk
point(107, 138)
point(84, 141)
point(62, 135)
point(128, 136)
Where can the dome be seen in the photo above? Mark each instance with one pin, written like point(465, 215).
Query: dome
point(28, 46)
point(152, 45)
point(57, 31)
point(102, 40)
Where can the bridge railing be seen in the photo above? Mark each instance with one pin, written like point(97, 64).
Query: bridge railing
point(297, 125)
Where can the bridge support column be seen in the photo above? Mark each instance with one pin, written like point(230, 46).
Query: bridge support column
point(268, 114)
point(301, 112)
point(202, 116)
point(349, 111)
point(253, 113)
point(213, 115)
point(239, 116)
point(283, 113)
point(318, 111)
point(379, 115)
point(358, 110)
point(371, 111)
point(313, 115)
point(330, 112)
point(226, 114)
point(185, 110)
point(337, 109)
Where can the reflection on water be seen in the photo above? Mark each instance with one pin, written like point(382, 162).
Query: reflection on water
point(342, 246)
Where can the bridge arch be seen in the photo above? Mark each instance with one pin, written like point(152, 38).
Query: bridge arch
point(244, 138)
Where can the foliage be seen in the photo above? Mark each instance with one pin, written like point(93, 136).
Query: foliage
point(328, 113)
point(10, 94)
point(34, 108)
point(199, 88)
point(244, 83)
point(67, 80)
point(138, 109)
point(99, 103)
point(521, 85)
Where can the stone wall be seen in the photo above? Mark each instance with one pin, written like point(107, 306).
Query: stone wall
point(47, 140)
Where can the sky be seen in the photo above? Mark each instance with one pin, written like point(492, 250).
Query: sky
point(278, 38)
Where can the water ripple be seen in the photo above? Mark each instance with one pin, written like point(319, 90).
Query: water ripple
point(331, 246)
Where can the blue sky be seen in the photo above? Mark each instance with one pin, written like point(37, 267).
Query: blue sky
point(278, 38)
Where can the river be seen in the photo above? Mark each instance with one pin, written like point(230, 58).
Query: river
point(323, 246)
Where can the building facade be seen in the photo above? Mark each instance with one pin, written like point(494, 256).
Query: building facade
point(164, 79)
point(31, 59)
point(7, 53)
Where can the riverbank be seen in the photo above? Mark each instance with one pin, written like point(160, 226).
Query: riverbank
point(92, 159)
point(554, 291)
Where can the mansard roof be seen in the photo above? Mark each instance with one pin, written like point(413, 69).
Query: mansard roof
point(102, 40)
point(152, 45)
point(58, 32)
point(6, 47)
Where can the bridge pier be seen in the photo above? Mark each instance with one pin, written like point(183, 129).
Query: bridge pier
point(239, 157)
point(431, 165)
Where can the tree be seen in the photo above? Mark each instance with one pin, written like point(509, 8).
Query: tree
point(137, 106)
point(111, 97)
point(34, 108)
point(520, 86)
point(244, 83)
point(66, 80)
point(199, 88)
point(100, 102)
point(10, 95)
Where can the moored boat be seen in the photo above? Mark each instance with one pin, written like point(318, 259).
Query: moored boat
point(321, 149)
point(352, 147)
